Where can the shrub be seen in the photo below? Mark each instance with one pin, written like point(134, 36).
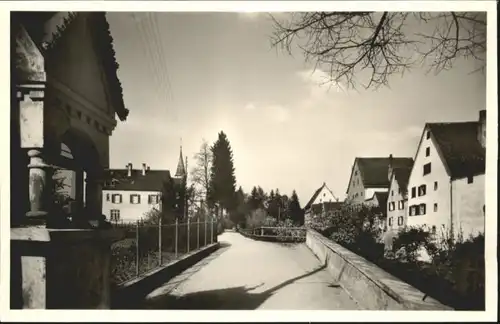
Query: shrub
point(256, 218)
point(409, 243)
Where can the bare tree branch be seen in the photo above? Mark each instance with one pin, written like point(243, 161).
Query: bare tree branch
point(200, 173)
point(369, 46)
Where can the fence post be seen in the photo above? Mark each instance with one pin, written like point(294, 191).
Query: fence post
point(188, 231)
point(159, 243)
point(176, 235)
point(137, 248)
point(205, 230)
point(212, 230)
point(198, 232)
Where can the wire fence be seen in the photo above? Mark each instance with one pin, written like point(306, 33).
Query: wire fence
point(147, 247)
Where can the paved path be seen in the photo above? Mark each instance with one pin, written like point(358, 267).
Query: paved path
point(248, 274)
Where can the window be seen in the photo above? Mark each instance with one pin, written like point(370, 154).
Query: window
point(108, 197)
point(399, 190)
point(428, 134)
point(427, 151)
point(400, 220)
point(435, 207)
point(470, 179)
point(413, 210)
point(421, 209)
point(135, 199)
point(115, 215)
point(435, 185)
point(390, 221)
point(392, 192)
point(413, 192)
point(392, 206)
point(401, 205)
point(153, 199)
point(422, 190)
point(427, 168)
point(116, 199)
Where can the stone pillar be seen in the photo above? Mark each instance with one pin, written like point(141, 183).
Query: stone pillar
point(40, 188)
point(93, 195)
point(79, 189)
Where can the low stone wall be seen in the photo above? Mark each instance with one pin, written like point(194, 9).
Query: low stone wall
point(130, 294)
point(273, 238)
point(372, 287)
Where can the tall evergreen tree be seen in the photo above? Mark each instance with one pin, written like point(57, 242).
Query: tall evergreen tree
point(295, 212)
point(253, 200)
point(222, 178)
point(241, 210)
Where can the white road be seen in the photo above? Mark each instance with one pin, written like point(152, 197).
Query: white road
point(246, 274)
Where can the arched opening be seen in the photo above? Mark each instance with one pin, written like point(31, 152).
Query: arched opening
point(76, 195)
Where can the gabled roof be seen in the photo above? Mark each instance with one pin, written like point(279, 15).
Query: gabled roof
point(459, 147)
point(315, 195)
point(402, 176)
point(374, 170)
point(382, 198)
point(46, 28)
point(152, 181)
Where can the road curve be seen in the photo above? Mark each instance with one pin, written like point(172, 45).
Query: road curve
point(245, 274)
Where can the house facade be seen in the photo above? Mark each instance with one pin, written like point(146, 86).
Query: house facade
point(446, 189)
point(370, 175)
point(323, 198)
point(397, 199)
point(129, 194)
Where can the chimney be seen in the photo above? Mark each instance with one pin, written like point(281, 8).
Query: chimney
point(129, 169)
point(389, 172)
point(481, 134)
point(144, 169)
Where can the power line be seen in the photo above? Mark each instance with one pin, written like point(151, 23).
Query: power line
point(155, 56)
point(147, 52)
point(154, 23)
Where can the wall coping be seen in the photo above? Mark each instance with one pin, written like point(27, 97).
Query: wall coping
point(43, 234)
point(152, 272)
point(397, 289)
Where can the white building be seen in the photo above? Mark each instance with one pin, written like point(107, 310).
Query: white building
point(129, 194)
point(446, 187)
point(322, 200)
point(397, 199)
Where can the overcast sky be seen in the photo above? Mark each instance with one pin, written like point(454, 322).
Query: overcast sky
point(218, 72)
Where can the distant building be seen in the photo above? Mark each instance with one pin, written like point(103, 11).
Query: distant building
point(447, 183)
point(370, 175)
point(322, 200)
point(397, 201)
point(129, 194)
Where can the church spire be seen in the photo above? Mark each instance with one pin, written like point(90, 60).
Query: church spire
point(181, 170)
